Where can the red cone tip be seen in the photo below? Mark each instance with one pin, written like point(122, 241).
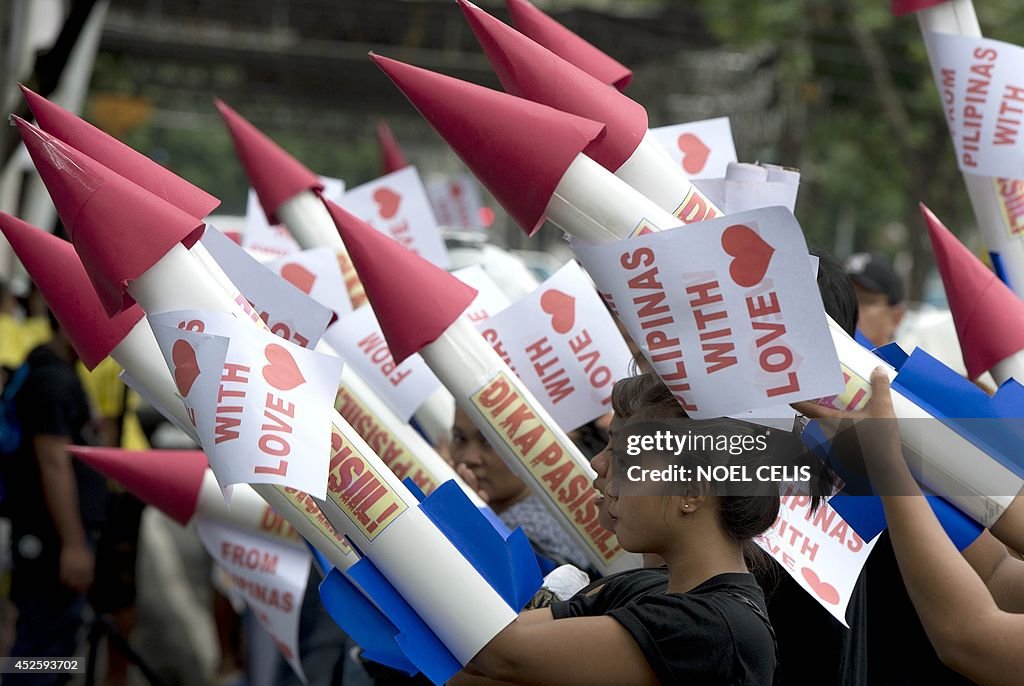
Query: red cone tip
point(169, 480)
point(518, 149)
point(118, 157)
point(54, 267)
point(276, 175)
point(413, 309)
point(529, 70)
point(391, 157)
point(900, 7)
point(567, 45)
point(119, 229)
point(989, 317)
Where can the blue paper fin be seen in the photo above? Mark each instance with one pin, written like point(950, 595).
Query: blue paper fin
point(509, 565)
point(866, 516)
point(999, 268)
point(893, 354)
point(963, 407)
point(388, 629)
point(414, 489)
point(862, 339)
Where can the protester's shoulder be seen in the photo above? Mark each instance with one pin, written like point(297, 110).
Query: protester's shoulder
point(715, 629)
point(45, 365)
point(544, 532)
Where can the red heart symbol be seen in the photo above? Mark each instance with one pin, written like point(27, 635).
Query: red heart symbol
point(825, 591)
point(387, 202)
point(695, 153)
point(186, 368)
point(282, 373)
point(298, 276)
point(562, 308)
point(750, 253)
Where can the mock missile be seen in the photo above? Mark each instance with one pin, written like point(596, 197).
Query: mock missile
point(180, 484)
point(989, 317)
point(422, 312)
point(569, 46)
point(289, 191)
point(400, 446)
point(419, 560)
point(391, 157)
point(991, 198)
point(529, 70)
point(543, 176)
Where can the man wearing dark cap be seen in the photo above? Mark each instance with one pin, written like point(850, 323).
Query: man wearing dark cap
point(879, 296)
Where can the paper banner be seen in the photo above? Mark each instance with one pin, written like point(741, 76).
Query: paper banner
point(564, 345)
point(489, 300)
point(702, 149)
point(289, 312)
point(456, 201)
point(262, 406)
point(819, 550)
point(358, 339)
point(726, 311)
point(269, 575)
point(397, 205)
point(315, 272)
point(981, 84)
point(266, 242)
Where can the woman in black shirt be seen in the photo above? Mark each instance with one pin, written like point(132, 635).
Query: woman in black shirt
point(702, 619)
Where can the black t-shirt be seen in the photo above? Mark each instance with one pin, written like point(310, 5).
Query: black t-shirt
point(711, 635)
point(51, 402)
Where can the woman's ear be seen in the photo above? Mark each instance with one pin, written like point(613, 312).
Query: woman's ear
point(689, 504)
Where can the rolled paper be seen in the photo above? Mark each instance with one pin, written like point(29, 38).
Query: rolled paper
point(990, 197)
point(552, 35)
point(530, 70)
point(512, 419)
point(391, 157)
point(115, 155)
point(976, 297)
point(181, 485)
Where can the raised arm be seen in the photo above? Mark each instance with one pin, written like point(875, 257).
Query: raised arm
point(966, 627)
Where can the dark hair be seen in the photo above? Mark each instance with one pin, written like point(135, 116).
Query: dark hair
point(747, 515)
point(836, 290)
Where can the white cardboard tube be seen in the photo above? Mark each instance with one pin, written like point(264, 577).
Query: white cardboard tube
point(598, 207)
point(1010, 368)
point(419, 561)
point(651, 171)
point(954, 467)
point(466, 363)
point(958, 17)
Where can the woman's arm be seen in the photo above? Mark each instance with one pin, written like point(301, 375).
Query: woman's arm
point(1002, 573)
point(969, 632)
point(590, 651)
